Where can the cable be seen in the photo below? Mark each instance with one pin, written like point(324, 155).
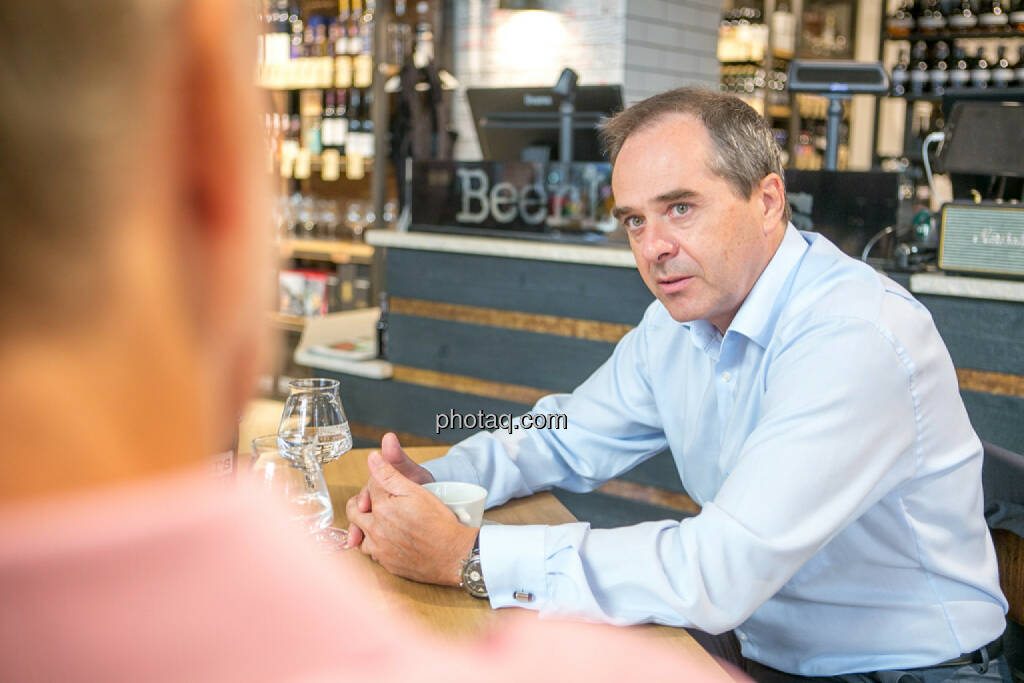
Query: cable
point(887, 230)
point(930, 138)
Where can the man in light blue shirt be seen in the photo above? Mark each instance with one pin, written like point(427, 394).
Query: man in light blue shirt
point(809, 404)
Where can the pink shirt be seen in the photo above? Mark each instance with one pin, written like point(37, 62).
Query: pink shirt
point(186, 579)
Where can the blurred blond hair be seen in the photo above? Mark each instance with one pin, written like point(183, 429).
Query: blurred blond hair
point(75, 78)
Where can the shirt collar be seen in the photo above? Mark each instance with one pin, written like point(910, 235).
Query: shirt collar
point(760, 310)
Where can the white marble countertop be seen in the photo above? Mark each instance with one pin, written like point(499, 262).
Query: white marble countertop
point(597, 255)
point(621, 257)
point(969, 287)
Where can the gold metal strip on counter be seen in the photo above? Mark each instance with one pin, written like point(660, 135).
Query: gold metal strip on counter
point(990, 382)
point(650, 494)
point(513, 320)
point(467, 385)
point(375, 434)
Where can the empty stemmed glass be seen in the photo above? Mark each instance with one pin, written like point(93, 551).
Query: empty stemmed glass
point(314, 421)
point(300, 484)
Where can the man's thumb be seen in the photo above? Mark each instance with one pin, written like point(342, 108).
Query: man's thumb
point(391, 449)
point(386, 476)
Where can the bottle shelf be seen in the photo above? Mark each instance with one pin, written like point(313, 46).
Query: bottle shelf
point(335, 251)
point(989, 93)
point(958, 35)
point(301, 73)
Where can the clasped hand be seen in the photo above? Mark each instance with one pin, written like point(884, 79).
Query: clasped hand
point(404, 527)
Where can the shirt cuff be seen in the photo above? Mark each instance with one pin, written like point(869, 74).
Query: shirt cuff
point(512, 562)
point(453, 467)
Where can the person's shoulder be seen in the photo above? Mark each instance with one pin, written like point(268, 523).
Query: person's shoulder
point(831, 288)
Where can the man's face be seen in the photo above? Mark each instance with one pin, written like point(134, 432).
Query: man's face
point(698, 245)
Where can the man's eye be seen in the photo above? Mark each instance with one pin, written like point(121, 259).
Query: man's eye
point(679, 209)
point(634, 221)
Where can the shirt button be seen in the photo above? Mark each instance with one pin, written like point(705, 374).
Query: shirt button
point(741, 635)
point(726, 376)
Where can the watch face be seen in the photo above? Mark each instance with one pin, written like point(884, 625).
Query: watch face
point(473, 578)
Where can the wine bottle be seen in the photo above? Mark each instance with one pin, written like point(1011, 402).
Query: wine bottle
point(900, 76)
point(1019, 69)
point(959, 73)
point(341, 42)
point(938, 75)
point(366, 28)
point(981, 75)
point(328, 121)
point(919, 68)
point(1002, 74)
point(353, 143)
point(354, 21)
point(964, 18)
point(367, 124)
point(341, 120)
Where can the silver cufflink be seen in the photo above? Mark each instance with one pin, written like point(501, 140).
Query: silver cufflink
point(523, 596)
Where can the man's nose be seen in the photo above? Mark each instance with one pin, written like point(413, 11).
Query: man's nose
point(657, 243)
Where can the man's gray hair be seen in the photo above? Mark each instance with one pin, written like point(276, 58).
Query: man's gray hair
point(744, 150)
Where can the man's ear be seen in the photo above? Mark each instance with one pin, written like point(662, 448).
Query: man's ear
point(210, 135)
point(773, 201)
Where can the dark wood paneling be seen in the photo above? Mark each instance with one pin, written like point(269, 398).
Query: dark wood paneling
point(604, 293)
point(512, 320)
point(990, 382)
point(998, 419)
point(980, 334)
point(538, 360)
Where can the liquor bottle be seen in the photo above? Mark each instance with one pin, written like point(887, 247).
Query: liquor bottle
point(1017, 15)
point(319, 42)
point(900, 76)
point(938, 75)
point(1002, 74)
point(964, 18)
point(1019, 69)
point(919, 68)
point(932, 19)
point(301, 35)
point(981, 75)
point(992, 15)
point(959, 73)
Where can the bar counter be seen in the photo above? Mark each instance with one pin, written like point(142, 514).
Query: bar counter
point(493, 324)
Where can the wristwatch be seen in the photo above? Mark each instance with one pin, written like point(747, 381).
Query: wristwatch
point(472, 578)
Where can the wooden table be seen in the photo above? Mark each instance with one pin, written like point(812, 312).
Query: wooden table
point(451, 610)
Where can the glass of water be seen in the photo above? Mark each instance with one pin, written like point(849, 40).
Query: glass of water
point(314, 421)
point(300, 484)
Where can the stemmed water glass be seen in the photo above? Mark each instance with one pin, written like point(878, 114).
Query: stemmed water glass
point(314, 421)
point(300, 484)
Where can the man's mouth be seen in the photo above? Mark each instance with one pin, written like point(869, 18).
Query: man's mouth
point(674, 283)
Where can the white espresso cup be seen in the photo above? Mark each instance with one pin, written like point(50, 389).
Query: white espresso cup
point(465, 500)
